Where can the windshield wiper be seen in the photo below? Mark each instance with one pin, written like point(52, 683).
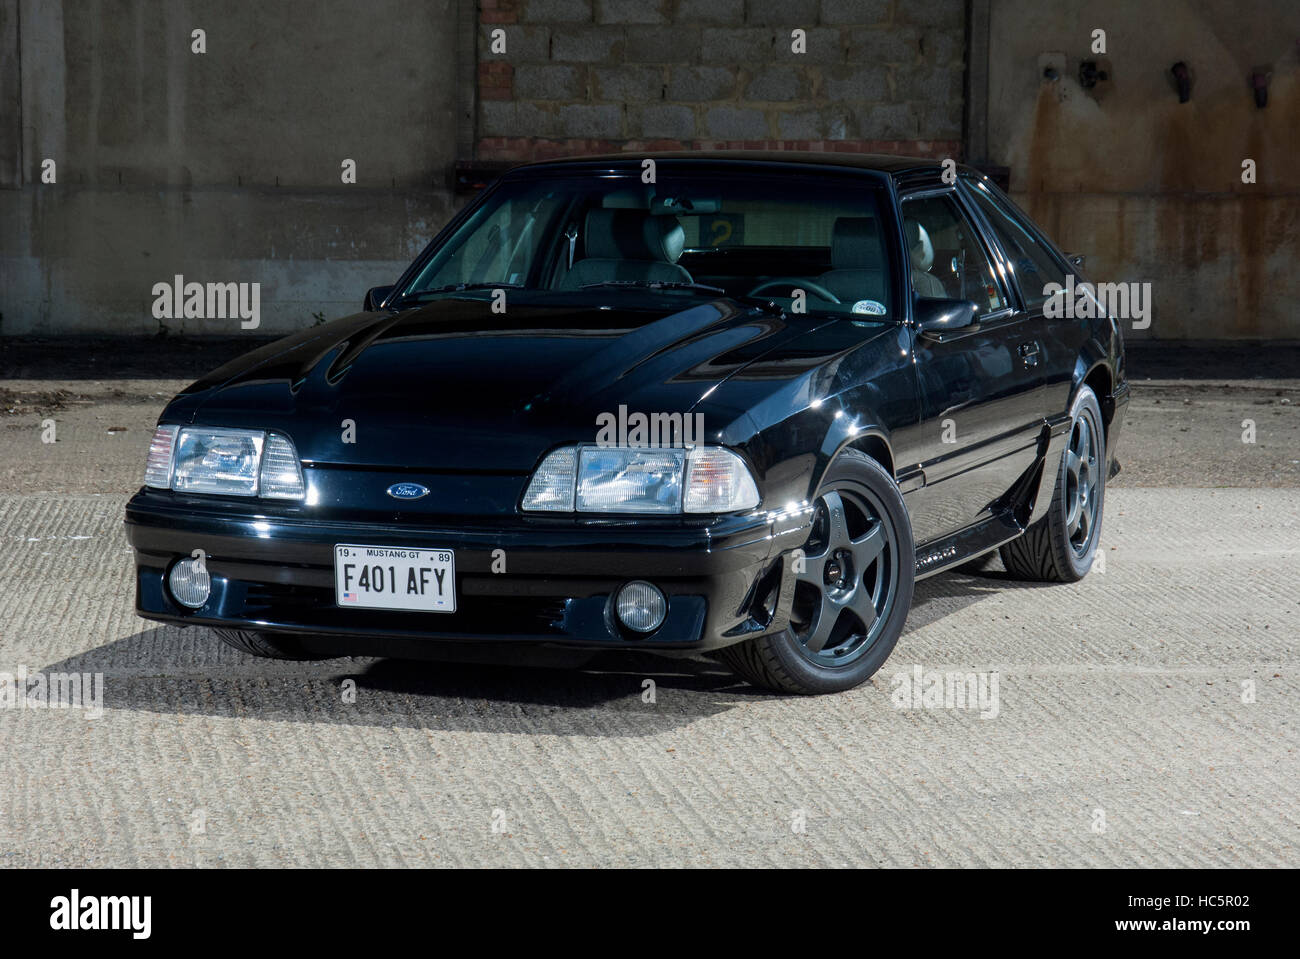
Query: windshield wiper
point(766, 305)
point(762, 303)
point(456, 288)
point(656, 285)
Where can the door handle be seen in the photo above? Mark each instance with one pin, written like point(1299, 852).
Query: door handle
point(1029, 353)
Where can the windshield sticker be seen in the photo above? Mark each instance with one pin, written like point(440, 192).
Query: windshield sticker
point(873, 307)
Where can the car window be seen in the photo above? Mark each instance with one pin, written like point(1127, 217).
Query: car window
point(1033, 264)
point(759, 221)
point(946, 256)
point(811, 244)
point(500, 246)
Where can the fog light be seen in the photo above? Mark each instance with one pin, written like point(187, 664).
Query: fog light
point(189, 583)
point(641, 607)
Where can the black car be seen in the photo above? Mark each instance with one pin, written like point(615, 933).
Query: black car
point(733, 403)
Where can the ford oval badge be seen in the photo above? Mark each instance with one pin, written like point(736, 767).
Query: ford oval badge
point(407, 491)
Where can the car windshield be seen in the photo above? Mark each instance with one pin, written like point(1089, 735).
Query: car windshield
point(809, 244)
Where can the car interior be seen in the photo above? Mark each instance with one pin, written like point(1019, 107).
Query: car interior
point(920, 252)
point(751, 238)
point(744, 251)
point(945, 256)
point(627, 245)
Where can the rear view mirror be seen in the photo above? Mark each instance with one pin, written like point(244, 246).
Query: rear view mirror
point(943, 319)
point(682, 205)
point(374, 296)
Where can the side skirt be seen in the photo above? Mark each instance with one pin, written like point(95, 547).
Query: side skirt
point(967, 544)
point(1026, 502)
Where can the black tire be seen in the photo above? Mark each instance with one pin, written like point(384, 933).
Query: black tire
point(782, 661)
point(265, 645)
point(1052, 550)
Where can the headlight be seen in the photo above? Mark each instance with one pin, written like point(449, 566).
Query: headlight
point(217, 461)
point(629, 481)
point(591, 479)
point(224, 461)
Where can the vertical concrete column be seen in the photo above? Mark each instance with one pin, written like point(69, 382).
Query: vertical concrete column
point(976, 134)
point(11, 112)
point(42, 78)
point(466, 78)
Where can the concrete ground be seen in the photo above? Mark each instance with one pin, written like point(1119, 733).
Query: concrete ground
point(1146, 716)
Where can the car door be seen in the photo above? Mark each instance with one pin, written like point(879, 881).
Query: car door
point(981, 392)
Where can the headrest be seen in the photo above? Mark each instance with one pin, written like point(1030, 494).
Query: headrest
point(855, 244)
point(919, 248)
point(633, 235)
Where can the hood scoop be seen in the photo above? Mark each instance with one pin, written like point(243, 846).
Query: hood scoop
point(350, 349)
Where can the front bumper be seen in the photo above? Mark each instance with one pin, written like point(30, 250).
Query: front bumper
point(725, 581)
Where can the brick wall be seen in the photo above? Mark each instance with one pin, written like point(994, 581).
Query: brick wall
point(586, 76)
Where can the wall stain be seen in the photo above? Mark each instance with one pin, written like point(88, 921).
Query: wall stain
point(1152, 191)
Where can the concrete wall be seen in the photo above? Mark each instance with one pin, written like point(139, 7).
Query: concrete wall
point(223, 166)
point(1151, 189)
point(607, 75)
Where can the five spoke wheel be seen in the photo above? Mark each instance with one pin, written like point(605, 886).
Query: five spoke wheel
point(1081, 485)
point(852, 583)
point(845, 579)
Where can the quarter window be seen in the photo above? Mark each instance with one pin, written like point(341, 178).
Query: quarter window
point(1033, 264)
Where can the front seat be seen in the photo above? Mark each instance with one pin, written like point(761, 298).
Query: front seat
point(857, 261)
point(921, 252)
point(629, 245)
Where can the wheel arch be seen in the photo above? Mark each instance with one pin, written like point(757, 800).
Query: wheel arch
point(1100, 366)
point(1101, 380)
point(875, 445)
point(862, 431)
point(872, 441)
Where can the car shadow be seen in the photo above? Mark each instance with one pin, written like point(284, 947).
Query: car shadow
point(190, 672)
point(950, 592)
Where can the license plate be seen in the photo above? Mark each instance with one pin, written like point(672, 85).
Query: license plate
point(385, 577)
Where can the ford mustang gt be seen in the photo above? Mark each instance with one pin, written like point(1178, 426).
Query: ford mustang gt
point(733, 403)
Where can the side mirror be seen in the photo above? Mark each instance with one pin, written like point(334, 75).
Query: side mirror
point(941, 319)
point(374, 296)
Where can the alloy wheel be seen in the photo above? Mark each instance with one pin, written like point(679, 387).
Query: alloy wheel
point(1082, 482)
point(848, 578)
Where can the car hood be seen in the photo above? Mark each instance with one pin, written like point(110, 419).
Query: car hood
point(453, 386)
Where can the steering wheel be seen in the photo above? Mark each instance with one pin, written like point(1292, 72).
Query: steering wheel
point(793, 281)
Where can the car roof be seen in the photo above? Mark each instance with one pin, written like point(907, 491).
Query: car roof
point(877, 162)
